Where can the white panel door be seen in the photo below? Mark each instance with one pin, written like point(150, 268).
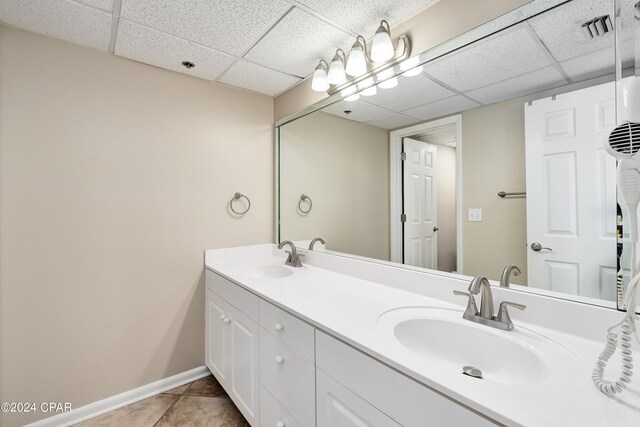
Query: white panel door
point(571, 192)
point(216, 337)
point(420, 204)
point(243, 376)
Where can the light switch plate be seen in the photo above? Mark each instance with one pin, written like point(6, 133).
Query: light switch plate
point(475, 215)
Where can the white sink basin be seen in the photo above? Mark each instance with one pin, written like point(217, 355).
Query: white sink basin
point(441, 337)
point(265, 272)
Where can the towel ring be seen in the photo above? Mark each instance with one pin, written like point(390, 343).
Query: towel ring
point(238, 196)
point(304, 198)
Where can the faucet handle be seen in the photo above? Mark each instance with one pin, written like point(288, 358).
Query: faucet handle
point(472, 308)
point(503, 313)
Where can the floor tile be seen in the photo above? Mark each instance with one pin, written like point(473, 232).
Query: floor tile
point(140, 414)
point(179, 390)
point(199, 411)
point(207, 386)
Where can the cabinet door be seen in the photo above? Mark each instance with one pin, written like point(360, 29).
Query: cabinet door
point(216, 337)
point(340, 407)
point(243, 375)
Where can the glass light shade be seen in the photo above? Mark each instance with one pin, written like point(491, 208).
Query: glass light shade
point(356, 64)
point(381, 46)
point(389, 83)
point(413, 71)
point(353, 97)
point(336, 74)
point(320, 82)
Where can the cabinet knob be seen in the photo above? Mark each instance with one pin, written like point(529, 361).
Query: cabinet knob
point(280, 424)
point(278, 327)
point(279, 359)
point(222, 316)
point(226, 320)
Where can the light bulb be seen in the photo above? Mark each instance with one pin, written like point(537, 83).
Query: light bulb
point(381, 46)
point(353, 97)
point(320, 82)
point(336, 75)
point(356, 64)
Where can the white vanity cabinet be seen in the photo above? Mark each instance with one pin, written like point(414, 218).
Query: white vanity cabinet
point(232, 346)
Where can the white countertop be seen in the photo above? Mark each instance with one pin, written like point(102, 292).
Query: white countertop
point(349, 307)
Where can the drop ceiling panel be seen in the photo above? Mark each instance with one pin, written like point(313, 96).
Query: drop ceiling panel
point(361, 111)
point(410, 92)
point(154, 47)
point(536, 81)
point(441, 108)
point(100, 4)
point(589, 66)
point(60, 19)
point(295, 45)
point(560, 29)
point(392, 121)
point(230, 26)
point(364, 16)
point(257, 78)
point(507, 54)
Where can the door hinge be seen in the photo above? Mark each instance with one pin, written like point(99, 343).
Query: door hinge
point(403, 156)
point(403, 218)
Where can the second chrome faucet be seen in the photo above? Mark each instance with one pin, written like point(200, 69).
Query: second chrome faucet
point(502, 320)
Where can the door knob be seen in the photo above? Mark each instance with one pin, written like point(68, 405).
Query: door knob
point(279, 359)
point(278, 327)
point(280, 424)
point(435, 229)
point(226, 320)
point(537, 247)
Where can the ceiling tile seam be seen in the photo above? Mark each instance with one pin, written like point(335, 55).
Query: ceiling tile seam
point(88, 6)
point(179, 37)
point(403, 112)
point(389, 115)
point(283, 91)
point(237, 88)
point(248, 49)
point(115, 22)
point(446, 86)
point(547, 52)
point(323, 18)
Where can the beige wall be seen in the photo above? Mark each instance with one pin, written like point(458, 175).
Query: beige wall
point(493, 160)
point(437, 24)
point(114, 178)
point(344, 167)
point(446, 181)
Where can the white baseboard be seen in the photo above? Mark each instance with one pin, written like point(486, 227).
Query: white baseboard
point(123, 399)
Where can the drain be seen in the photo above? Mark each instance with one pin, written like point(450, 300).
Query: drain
point(472, 371)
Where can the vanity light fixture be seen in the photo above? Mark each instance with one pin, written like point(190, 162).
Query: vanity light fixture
point(336, 75)
point(382, 57)
point(320, 83)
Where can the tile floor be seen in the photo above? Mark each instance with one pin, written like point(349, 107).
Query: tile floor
point(202, 403)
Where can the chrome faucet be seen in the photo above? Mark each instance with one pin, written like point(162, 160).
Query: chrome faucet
point(294, 258)
point(480, 285)
point(506, 273)
point(313, 242)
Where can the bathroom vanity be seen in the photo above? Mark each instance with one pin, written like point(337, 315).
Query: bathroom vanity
point(346, 342)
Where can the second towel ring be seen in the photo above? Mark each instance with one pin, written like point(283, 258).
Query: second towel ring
point(239, 196)
point(304, 198)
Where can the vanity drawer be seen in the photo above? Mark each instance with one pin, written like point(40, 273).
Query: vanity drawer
point(288, 377)
point(298, 334)
point(406, 401)
point(272, 414)
point(234, 294)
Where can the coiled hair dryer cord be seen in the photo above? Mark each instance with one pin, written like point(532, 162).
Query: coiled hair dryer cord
point(628, 329)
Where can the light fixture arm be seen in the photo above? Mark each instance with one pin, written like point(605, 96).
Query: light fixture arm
point(340, 53)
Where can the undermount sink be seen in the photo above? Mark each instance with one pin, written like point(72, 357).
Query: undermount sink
point(441, 337)
point(268, 271)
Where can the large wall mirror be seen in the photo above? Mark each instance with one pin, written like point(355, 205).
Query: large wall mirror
point(490, 154)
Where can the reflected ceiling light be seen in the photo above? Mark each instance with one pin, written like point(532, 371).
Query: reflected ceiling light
point(411, 67)
point(371, 88)
point(387, 79)
point(381, 47)
point(357, 62)
point(353, 97)
point(337, 74)
point(320, 82)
